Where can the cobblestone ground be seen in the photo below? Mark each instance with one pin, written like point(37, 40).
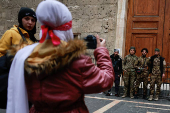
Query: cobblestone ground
point(99, 103)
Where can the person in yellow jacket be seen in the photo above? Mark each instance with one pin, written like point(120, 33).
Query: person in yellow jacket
point(27, 25)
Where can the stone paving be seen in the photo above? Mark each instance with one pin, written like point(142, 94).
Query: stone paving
point(99, 103)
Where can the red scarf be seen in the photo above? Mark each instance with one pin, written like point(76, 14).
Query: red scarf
point(55, 39)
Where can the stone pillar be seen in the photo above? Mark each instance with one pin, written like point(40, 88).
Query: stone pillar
point(121, 26)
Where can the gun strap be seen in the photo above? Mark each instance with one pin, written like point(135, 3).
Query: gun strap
point(21, 34)
point(144, 63)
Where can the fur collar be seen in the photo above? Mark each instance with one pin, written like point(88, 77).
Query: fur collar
point(15, 48)
point(47, 58)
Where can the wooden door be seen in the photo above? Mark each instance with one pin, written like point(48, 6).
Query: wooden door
point(166, 40)
point(145, 24)
point(148, 25)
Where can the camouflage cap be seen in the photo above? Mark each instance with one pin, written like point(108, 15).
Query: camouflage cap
point(132, 47)
point(156, 49)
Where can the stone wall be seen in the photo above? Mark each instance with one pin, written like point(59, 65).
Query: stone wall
point(94, 16)
point(9, 13)
point(89, 17)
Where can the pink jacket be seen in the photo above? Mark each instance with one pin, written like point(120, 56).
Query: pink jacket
point(64, 91)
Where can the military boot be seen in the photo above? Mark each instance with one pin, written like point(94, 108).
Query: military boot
point(150, 98)
point(136, 95)
point(131, 96)
point(109, 94)
point(124, 96)
point(145, 97)
point(156, 97)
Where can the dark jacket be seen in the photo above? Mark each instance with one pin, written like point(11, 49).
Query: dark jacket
point(161, 63)
point(117, 63)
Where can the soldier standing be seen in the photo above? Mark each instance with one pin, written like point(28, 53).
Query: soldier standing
point(117, 65)
point(142, 65)
point(129, 72)
point(158, 71)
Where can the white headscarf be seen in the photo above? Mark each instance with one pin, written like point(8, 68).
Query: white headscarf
point(52, 13)
point(17, 93)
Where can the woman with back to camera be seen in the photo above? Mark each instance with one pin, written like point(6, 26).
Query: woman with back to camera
point(57, 73)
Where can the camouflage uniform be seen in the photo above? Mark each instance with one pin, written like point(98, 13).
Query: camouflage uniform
point(129, 73)
point(142, 62)
point(156, 77)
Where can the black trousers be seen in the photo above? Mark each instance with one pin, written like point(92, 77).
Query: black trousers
point(117, 81)
point(3, 90)
point(3, 99)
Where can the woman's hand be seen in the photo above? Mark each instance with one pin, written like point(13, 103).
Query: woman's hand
point(100, 42)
